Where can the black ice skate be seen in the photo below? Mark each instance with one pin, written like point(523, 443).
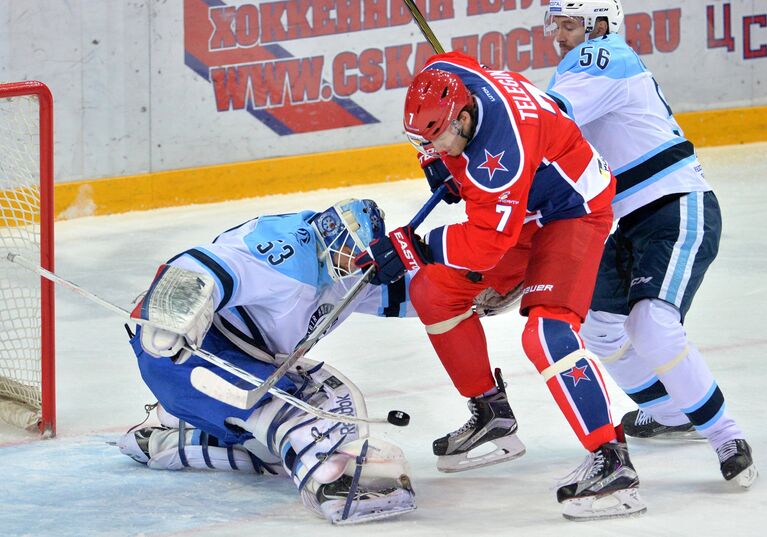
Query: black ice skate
point(604, 486)
point(639, 424)
point(736, 462)
point(492, 420)
point(345, 502)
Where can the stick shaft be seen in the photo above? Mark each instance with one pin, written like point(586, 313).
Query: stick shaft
point(424, 26)
point(205, 355)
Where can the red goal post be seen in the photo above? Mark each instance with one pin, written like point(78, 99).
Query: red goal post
point(27, 364)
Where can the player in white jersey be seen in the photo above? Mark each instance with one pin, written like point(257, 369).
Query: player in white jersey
point(273, 279)
point(668, 234)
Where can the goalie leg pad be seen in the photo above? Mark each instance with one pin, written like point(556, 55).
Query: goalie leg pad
point(375, 484)
point(342, 474)
point(171, 384)
point(162, 448)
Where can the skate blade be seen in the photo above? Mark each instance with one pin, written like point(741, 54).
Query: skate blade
point(507, 448)
point(687, 436)
point(619, 504)
point(746, 478)
point(370, 516)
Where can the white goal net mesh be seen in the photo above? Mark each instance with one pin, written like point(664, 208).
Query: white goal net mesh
point(20, 290)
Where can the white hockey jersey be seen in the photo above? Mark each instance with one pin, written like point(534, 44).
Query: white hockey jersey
point(604, 86)
point(271, 290)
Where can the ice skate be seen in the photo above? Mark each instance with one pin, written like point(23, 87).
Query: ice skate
point(492, 421)
point(346, 502)
point(604, 486)
point(736, 462)
point(135, 444)
point(640, 424)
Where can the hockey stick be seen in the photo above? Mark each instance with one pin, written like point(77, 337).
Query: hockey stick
point(396, 417)
point(424, 26)
point(248, 398)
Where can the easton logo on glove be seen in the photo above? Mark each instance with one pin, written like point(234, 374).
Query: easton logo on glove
point(405, 250)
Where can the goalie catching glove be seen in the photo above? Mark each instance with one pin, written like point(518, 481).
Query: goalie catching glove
point(394, 255)
point(176, 312)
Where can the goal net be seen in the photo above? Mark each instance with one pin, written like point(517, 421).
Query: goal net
point(27, 393)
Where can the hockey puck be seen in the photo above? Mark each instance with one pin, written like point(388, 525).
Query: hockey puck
point(398, 418)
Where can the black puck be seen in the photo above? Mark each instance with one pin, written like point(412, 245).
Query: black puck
point(398, 418)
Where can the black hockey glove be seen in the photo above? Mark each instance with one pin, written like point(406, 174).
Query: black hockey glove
point(437, 173)
point(394, 255)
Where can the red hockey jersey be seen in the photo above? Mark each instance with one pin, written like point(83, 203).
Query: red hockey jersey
point(527, 161)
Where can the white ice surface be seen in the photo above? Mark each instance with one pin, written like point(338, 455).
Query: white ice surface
point(78, 485)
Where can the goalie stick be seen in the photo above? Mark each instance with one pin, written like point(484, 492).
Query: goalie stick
point(227, 393)
point(218, 387)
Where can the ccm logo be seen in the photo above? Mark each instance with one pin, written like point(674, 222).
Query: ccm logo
point(404, 248)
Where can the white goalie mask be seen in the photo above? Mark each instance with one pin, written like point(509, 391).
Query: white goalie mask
point(345, 230)
point(587, 11)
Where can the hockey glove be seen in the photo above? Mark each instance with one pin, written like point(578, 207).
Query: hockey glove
point(490, 302)
point(182, 301)
point(437, 173)
point(394, 255)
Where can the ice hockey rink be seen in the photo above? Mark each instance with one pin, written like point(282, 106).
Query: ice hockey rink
point(79, 485)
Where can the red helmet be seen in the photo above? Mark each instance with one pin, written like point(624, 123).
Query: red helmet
point(433, 100)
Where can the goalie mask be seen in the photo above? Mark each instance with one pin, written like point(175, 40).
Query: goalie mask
point(345, 230)
point(586, 12)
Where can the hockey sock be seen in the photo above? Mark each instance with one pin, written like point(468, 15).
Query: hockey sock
point(571, 375)
point(462, 349)
point(660, 341)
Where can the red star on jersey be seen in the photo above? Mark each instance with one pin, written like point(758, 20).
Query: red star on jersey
point(577, 374)
point(493, 163)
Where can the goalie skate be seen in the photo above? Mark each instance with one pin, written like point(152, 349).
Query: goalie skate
point(364, 505)
point(492, 422)
point(639, 424)
point(604, 486)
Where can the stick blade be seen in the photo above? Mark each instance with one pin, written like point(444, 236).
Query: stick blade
point(207, 382)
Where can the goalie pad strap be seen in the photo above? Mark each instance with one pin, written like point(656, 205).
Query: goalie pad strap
point(310, 472)
point(205, 454)
point(317, 438)
point(230, 456)
point(182, 443)
point(360, 460)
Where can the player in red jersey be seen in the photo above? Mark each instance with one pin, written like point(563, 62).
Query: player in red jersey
point(538, 205)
